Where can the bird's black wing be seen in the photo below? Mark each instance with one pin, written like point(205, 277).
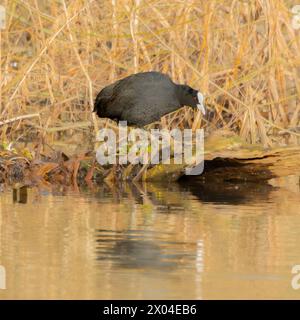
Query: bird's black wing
point(144, 98)
point(138, 98)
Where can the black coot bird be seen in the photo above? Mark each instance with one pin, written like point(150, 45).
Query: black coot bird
point(143, 98)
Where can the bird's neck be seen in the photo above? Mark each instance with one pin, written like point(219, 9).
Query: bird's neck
point(180, 93)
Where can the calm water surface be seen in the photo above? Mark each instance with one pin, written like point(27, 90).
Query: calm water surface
point(151, 242)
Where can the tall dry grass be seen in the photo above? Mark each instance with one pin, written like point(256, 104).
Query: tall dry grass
point(244, 55)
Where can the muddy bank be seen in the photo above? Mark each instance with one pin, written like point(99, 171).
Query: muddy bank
point(227, 159)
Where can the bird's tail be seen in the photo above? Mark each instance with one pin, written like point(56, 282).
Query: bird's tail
point(103, 99)
point(97, 103)
point(100, 106)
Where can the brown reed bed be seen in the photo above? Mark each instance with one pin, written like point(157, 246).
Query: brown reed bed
point(244, 55)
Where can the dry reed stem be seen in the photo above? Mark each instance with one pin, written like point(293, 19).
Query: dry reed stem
point(243, 55)
point(26, 116)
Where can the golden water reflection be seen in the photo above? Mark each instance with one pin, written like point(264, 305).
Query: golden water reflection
point(180, 241)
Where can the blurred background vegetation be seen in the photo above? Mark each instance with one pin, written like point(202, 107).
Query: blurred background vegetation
point(244, 55)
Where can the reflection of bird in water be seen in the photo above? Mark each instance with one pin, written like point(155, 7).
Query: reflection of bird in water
point(138, 254)
point(133, 251)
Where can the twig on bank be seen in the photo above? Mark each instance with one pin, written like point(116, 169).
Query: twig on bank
point(25, 116)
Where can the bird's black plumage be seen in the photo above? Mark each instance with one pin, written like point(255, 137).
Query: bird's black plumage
point(144, 98)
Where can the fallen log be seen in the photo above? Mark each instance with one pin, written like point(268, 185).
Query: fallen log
point(228, 158)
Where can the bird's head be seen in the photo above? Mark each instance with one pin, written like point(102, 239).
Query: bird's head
point(191, 97)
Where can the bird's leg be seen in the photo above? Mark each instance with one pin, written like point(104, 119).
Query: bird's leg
point(140, 173)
